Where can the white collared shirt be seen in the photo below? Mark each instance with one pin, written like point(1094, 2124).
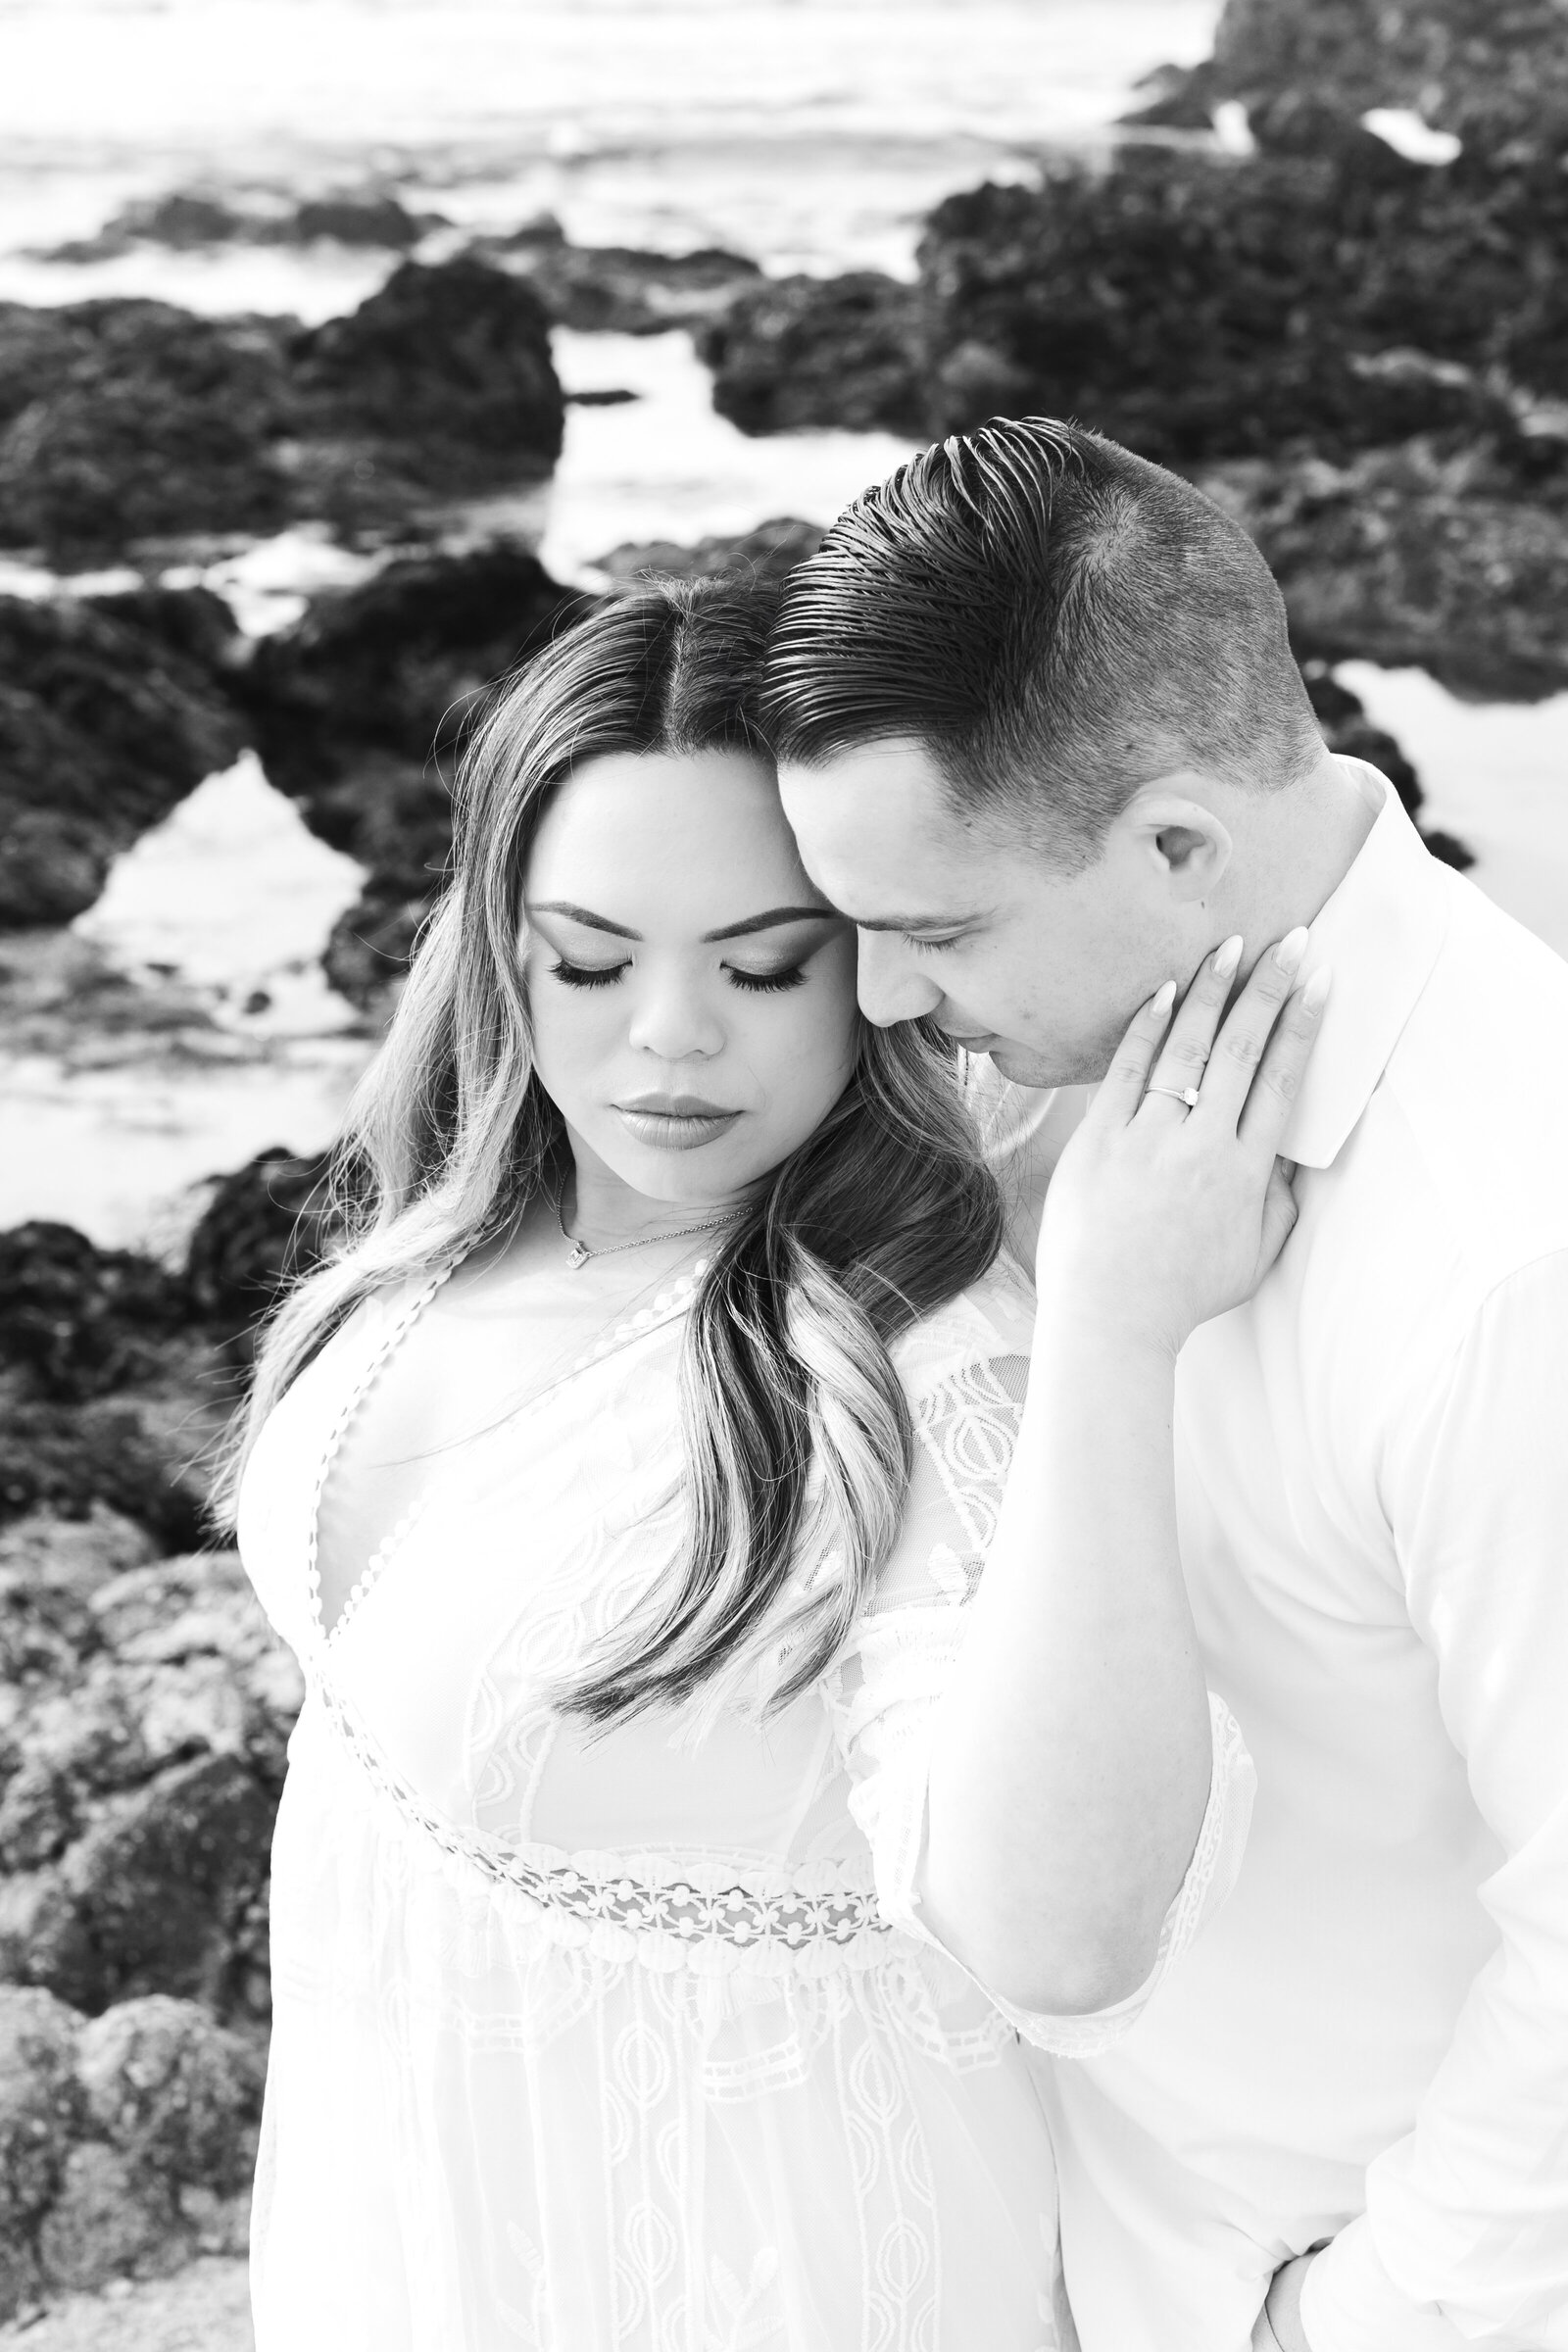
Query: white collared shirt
point(1370, 2044)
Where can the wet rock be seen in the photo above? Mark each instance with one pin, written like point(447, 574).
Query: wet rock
point(621, 289)
point(142, 1749)
point(107, 2215)
point(41, 2105)
point(177, 2095)
point(393, 666)
point(190, 220)
point(82, 1320)
point(359, 711)
point(447, 371)
point(1495, 71)
point(1194, 305)
point(67, 1459)
point(1408, 556)
point(126, 420)
point(767, 552)
point(166, 1880)
point(352, 219)
point(804, 351)
point(108, 715)
point(263, 1223)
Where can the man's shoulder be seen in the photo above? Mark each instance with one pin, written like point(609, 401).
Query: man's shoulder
point(1477, 1085)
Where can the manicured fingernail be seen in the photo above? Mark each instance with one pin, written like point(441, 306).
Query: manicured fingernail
point(1317, 988)
point(1227, 955)
point(1292, 947)
point(1160, 1003)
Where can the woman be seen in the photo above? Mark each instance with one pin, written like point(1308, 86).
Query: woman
point(620, 1487)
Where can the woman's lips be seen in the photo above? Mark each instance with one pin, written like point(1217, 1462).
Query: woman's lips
point(677, 1123)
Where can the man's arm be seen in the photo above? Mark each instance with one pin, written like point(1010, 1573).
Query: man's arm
point(1464, 2241)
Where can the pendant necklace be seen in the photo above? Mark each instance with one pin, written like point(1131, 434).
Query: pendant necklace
point(579, 1254)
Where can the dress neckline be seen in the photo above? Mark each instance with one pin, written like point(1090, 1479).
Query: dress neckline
point(671, 1300)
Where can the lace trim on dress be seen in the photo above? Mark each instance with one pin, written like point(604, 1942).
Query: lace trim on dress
point(673, 1299)
point(775, 1919)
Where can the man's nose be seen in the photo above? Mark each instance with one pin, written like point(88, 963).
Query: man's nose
point(890, 984)
point(675, 1019)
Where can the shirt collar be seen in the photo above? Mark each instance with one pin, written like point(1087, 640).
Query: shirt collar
point(1380, 931)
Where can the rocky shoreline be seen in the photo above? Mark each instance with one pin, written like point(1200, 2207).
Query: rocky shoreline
point(1361, 354)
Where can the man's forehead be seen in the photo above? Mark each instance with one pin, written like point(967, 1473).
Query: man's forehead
point(878, 833)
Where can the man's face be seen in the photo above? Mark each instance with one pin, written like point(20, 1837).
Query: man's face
point(1040, 969)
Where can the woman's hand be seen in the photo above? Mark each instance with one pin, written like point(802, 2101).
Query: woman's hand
point(1161, 1215)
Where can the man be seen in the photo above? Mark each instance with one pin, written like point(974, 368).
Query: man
point(1043, 741)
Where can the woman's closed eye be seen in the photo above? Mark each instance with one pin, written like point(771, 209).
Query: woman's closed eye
point(759, 983)
point(588, 975)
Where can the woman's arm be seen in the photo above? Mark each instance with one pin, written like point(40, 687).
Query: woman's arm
point(1070, 1754)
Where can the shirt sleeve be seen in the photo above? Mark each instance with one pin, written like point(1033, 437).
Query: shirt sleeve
point(895, 1665)
point(1464, 2241)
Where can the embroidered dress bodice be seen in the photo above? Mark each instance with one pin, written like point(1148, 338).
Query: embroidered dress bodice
point(631, 2039)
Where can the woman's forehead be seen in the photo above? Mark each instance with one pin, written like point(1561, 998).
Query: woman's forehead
point(691, 840)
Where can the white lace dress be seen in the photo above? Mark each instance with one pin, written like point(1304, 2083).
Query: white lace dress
point(635, 2042)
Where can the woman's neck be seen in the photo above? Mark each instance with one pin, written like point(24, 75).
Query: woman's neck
point(597, 1207)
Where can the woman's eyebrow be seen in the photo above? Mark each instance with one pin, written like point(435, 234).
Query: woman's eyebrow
point(771, 919)
point(767, 922)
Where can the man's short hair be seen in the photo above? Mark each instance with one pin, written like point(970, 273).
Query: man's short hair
point(1054, 620)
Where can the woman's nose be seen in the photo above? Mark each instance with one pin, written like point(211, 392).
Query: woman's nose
point(889, 983)
point(675, 1019)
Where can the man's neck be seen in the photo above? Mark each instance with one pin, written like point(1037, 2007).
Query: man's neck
point(1316, 833)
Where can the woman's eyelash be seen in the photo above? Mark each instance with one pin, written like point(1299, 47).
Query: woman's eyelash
point(586, 975)
point(929, 945)
point(756, 983)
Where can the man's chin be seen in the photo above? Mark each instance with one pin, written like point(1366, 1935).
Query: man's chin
point(1025, 1065)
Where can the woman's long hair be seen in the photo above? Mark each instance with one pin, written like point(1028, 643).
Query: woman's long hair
point(798, 1439)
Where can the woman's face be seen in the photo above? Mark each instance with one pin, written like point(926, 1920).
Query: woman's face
point(692, 994)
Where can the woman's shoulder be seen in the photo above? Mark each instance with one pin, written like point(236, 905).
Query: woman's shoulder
point(992, 1318)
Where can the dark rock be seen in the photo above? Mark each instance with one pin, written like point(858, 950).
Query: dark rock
point(38, 1817)
point(620, 289)
point(184, 219)
point(130, 421)
point(79, 1318)
point(107, 719)
point(352, 219)
point(1194, 305)
point(189, 221)
point(1495, 71)
point(806, 351)
point(66, 1458)
point(40, 2104)
point(393, 664)
point(767, 552)
point(448, 372)
point(165, 1880)
point(357, 710)
point(265, 1222)
point(1405, 557)
point(139, 420)
point(142, 1749)
point(175, 2093)
point(107, 2216)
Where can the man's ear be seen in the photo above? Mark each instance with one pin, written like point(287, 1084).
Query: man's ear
point(1181, 837)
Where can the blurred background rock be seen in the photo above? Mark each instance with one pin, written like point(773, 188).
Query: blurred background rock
point(344, 353)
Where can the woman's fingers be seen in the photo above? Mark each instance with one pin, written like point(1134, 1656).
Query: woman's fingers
point(1284, 1057)
point(1244, 1034)
point(1185, 1054)
point(1121, 1090)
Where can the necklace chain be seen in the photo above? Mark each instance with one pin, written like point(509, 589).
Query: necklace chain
point(579, 1252)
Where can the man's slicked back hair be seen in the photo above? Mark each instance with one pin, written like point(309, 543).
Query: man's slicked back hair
point(1054, 620)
